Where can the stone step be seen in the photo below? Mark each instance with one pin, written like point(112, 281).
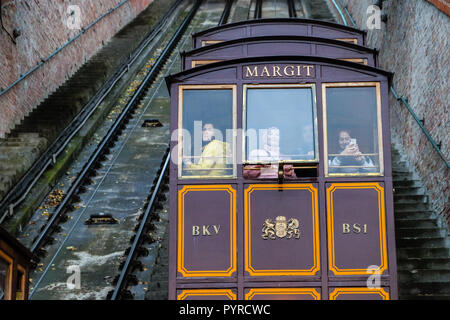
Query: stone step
point(424, 287)
point(6, 181)
point(408, 213)
point(414, 242)
point(410, 198)
point(399, 169)
point(408, 190)
point(420, 233)
point(405, 253)
point(424, 275)
point(8, 174)
point(404, 207)
point(401, 223)
point(407, 183)
point(424, 263)
point(426, 297)
point(401, 176)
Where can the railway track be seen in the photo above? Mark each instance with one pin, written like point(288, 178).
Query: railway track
point(21, 190)
point(111, 137)
point(67, 240)
point(69, 237)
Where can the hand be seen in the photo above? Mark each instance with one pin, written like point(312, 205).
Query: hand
point(353, 150)
point(252, 171)
point(288, 170)
point(357, 153)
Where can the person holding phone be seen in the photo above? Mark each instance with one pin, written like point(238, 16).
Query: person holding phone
point(350, 158)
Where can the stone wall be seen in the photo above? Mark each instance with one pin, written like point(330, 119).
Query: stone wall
point(44, 28)
point(413, 44)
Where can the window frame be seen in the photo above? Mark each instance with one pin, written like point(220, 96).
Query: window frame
point(377, 87)
point(9, 285)
point(22, 281)
point(312, 86)
point(181, 88)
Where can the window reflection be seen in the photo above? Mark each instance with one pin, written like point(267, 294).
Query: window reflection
point(280, 126)
point(207, 135)
point(353, 130)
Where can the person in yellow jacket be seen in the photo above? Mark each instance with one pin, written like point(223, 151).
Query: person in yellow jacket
point(214, 156)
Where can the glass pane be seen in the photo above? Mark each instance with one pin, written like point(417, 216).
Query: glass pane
point(352, 129)
point(207, 135)
point(280, 125)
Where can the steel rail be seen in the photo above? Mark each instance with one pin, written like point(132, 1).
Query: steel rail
point(138, 237)
point(20, 191)
point(419, 122)
point(226, 12)
point(108, 139)
point(403, 100)
point(292, 11)
point(340, 12)
point(258, 10)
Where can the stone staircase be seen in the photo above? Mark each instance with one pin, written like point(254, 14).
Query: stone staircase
point(17, 154)
point(422, 239)
point(159, 280)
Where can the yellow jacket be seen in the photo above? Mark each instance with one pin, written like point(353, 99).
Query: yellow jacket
point(213, 160)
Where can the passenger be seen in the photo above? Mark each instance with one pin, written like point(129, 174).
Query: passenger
point(350, 157)
point(214, 155)
point(270, 152)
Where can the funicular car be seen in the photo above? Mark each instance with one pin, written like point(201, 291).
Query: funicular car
point(278, 27)
point(281, 184)
point(278, 45)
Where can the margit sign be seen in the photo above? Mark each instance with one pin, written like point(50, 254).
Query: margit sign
point(279, 71)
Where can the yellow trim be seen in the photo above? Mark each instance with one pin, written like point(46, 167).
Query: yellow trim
point(351, 40)
point(247, 223)
point(10, 261)
point(338, 291)
point(208, 42)
point(356, 60)
point(282, 291)
point(180, 261)
point(207, 292)
point(196, 63)
point(379, 126)
point(382, 227)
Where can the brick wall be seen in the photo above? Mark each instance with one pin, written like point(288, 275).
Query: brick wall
point(414, 45)
point(43, 26)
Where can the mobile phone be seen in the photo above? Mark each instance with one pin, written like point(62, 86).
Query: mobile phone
point(353, 142)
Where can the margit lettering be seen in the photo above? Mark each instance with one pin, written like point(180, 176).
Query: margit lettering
point(279, 71)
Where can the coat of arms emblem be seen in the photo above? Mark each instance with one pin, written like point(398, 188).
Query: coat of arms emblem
point(281, 228)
